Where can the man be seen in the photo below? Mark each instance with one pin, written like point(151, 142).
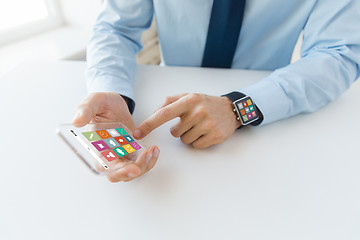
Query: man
point(258, 34)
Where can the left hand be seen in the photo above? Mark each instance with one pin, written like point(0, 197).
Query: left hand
point(204, 120)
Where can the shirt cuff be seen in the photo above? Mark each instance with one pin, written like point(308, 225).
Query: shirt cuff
point(270, 99)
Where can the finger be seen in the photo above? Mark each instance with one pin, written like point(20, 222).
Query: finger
point(143, 164)
point(171, 99)
point(205, 141)
point(185, 124)
point(160, 117)
point(193, 134)
point(86, 110)
point(153, 159)
point(127, 173)
point(145, 158)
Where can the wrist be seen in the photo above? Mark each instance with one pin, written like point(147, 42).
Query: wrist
point(232, 115)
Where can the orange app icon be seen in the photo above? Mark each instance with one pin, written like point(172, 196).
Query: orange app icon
point(103, 134)
point(242, 111)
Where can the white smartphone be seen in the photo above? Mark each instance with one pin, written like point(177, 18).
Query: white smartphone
point(103, 147)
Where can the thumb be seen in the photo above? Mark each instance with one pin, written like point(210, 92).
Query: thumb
point(86, 110)
point(82, 116)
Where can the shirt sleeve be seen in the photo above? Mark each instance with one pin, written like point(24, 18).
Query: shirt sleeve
point(329, 64)
point(115, 41)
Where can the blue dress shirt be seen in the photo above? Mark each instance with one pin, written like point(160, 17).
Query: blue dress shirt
point(330, 54)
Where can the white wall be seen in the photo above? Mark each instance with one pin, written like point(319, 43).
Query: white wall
point(80, 13)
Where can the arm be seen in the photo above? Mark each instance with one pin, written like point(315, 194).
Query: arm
point(114, 44)
point(111, 69)
point(329, 64)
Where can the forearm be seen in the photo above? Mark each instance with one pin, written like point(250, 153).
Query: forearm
point(114, 44)
point(329, 64)
point(304, 86)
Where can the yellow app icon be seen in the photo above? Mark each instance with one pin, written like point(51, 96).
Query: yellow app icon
point(249, 102)
point(128, 148)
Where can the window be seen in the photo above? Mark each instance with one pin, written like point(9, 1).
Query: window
point(21, 18)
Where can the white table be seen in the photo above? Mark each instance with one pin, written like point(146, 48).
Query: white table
point(294, 179)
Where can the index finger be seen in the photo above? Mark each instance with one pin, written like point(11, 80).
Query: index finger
point(163, 115)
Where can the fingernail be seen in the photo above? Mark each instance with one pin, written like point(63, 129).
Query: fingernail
point(131, 175)
point(137, 133)
point(156, 153)
point(148, 157)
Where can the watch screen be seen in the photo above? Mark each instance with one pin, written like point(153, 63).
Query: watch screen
point(246, 109)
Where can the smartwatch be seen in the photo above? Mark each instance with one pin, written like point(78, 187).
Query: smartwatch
point(245, 109)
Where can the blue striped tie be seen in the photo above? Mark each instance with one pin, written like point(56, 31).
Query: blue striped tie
point(223, 34)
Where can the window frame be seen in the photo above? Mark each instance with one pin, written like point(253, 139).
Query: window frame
point(16, 33)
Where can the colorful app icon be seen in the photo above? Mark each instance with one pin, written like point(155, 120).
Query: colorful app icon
point(100, 145)
point(103, 134)
point(120, 151)
point(110, 155)
point(249, 102)
point(113, 132)
point(240, 106)
point(135, 145)
point(253, 113)
point(249, 116)
point(121, 140)
point(244, 104)
point(121, 131)
point(91, 136)
point(251, 108)
point(242, 111)
point(245, 118)
point(128, 138)
point(111, 142)
point(247, 110)
point(128, 148)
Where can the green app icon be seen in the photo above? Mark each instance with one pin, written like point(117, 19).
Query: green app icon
point(121, 131)
point(91, 136)
point(251, 108)
point(120, 151)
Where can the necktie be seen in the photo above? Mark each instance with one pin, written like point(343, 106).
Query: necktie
point(223, 33)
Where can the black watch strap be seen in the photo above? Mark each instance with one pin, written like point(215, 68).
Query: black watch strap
point(233, 96)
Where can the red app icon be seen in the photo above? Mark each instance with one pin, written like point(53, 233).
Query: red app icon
point(103, 134)
point(121, 140)
point(110, 155)
point(253, 113)
point(244, 104)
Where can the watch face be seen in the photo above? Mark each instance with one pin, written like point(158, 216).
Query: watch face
point(247, 111)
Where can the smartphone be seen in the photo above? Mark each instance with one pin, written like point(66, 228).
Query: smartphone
point(103, 147)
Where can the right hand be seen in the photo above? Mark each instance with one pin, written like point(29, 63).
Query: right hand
point(111, 107)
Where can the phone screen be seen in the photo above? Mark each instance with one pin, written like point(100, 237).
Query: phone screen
point(109, 145)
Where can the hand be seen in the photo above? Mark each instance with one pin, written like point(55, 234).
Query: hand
point(204, 120)
point(111, 107)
